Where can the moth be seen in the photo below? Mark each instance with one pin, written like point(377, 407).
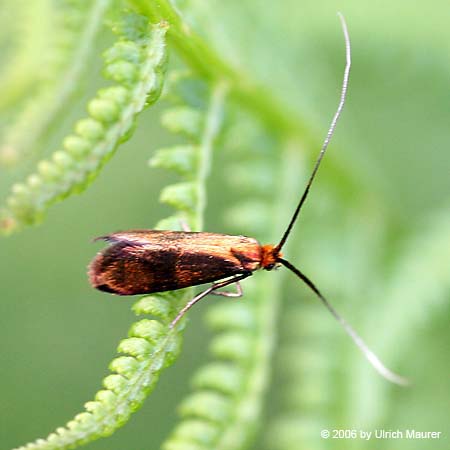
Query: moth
point(148, 261)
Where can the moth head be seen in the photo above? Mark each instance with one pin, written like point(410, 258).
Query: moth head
point(270, 255)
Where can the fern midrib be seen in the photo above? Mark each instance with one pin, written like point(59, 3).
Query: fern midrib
point(213, 122)
point(268, 309)
point(148, 369)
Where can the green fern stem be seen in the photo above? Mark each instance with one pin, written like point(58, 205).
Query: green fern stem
point(209, 65)
point(136, 65)
point(275, 115)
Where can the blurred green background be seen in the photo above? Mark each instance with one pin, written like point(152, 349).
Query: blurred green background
point(381, 252)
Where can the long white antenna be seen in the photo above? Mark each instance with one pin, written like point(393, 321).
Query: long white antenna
point(369, 354)
point(329, 134)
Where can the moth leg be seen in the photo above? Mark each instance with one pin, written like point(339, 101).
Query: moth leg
point(236, 294)
point(184, 225)
point(203, 294)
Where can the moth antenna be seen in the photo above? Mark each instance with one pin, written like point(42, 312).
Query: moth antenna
point(329, 134)
point(369, 354)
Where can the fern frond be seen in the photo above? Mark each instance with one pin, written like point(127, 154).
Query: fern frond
point(309, 371)
point(150, 348)
point(152, 345)
point(255, 99)
point(205, 62)
point(224, 410)
point(74, 29)
point(305, 376)
point(201, 128)
point(136, 65)
point(181, 159)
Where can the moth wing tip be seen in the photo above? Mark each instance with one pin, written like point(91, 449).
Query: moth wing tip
point(106, 237)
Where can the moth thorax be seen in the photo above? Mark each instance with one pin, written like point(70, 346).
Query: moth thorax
point(269, 256)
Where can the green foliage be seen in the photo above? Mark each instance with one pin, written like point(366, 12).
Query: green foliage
point(225, 405)
point(135, 63)
point(257, 83)
point(150, 348)
point(152, 344)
